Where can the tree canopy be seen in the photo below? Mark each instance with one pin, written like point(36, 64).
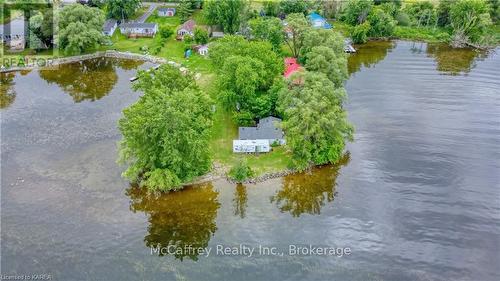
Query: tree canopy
point(333, 64)
point(80, 28)
point(227, 13)
point(119, 9)
point(315, 123)
point(269, 29)
point(296, 29)
point(166, 132)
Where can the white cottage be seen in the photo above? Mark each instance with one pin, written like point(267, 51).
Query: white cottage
point(166, 12)
point(203, 50)
point(251, 146)
point(109, 27)
point(138, 29)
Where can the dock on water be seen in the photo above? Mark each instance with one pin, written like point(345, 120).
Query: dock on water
point(348, 48)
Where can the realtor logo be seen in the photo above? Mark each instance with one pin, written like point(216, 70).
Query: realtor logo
point(27, 28)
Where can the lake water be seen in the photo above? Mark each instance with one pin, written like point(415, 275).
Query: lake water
point(417, 196)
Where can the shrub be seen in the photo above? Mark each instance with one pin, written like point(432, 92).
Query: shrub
point(421, 13)
point(382, 25)
point(165, 32)
point(200, 35)
point(241, 171)
point(357, 11)
point(403, 19)
point(469, 19)
point(359, 33)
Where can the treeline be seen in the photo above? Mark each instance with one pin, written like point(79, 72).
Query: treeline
point(466, 20)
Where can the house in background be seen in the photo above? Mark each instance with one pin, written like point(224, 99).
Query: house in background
point(138, 29)
point(109, 27)
point(260, 138)
point(186, 28)
point(291, 66)
point(318, 21)
point(166, 12)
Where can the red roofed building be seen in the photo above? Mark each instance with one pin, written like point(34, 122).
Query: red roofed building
point(291, 66)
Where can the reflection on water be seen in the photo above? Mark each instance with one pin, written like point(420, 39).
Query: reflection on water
point(308, 192)
point(453, 61)
point(7, 94)
point(178, 219)
point(368, 55)
point(240, 200)
point(88, 80)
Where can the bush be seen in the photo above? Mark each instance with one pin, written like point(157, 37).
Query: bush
point(403, 19)
point(200, 36)
point(243, 118)
point(421, 13)
point(165, 32)
point(469, 19)
point(241, 171)
point(382, 24)
point(357, 11)
point(359, 33)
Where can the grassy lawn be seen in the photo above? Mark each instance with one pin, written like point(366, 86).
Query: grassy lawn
point(171, 22)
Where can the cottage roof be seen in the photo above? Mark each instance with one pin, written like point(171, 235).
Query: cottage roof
point(138, 25)
point(266, 129)
point(291, 66)
point(108, 25)
point(188, 25)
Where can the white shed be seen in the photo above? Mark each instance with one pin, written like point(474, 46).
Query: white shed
point(251, 146)
point(203, 50)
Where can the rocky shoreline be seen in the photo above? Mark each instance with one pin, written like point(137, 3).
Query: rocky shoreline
point(35, 64)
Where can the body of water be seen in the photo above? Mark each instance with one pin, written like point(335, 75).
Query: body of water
point(417, 196)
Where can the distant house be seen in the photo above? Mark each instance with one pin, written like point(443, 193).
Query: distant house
point(109, 27)
point(291, 66)
point(186, 28)
point(260, 138)
point(318, 21)
point(166, 12)
point(137, 29)
point(217, 34)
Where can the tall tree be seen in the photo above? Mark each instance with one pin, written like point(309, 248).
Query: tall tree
point(80, 28)
point(184, 10)
point(269, 29)
point(315, 123)
point(294, 6)
point(296, 29)
point(321, 37)
point(122, 9)
point(357, 11)
point(324, 60)
point(166, 132)
point(227, 13)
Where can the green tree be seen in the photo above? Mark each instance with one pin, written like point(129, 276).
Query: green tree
point(271, 8)
point(269, 29)
point(324, 60)
point(240, 171)
point(184, 10)
point(166, 31)
point(122, 9)
point(357, 11)
point(80, 28)
point(359, 33)
point(315, 123)
point(443, 12)
point(166, 132)
point(321, 37)
point(296, 29)
point(469, 20)
point(381, 23)
point(200, 35)
point(293, 6)
point(227, 13)
point(421, 13)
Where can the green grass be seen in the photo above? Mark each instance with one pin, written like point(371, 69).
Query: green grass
point(199, 17)
point(171, 22)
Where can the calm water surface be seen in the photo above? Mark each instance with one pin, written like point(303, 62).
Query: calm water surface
point(416, 198)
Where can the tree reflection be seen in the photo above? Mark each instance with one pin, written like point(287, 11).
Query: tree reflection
point(178, 220)
point(454, 61)
point(88, 80)
point(308, 192)
point(7, 93)
point(368, 54)
point(240, 200)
